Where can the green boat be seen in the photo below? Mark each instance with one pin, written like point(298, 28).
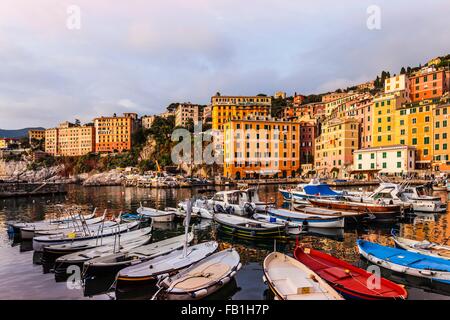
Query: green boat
point(248, 228)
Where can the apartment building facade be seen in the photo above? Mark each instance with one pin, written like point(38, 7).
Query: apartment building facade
point(70, 140)
point(113, 134)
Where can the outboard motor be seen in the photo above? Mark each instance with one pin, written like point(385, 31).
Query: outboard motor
point(229, 210)
point(217, 208)
point(249, 209)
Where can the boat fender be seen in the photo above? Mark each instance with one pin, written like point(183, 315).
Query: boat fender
point(239, 266)
point(264, 279)
point(199, 293)
point(224, 281)
point(232, 274)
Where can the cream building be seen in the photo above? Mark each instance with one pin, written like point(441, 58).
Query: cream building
point(147, 121)
point(185, 112)
point(69, 140)
point(397, 84)
point(389, 160)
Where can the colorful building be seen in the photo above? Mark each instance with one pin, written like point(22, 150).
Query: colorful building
point(333, 105)
point(308, 135)
point(186, 112)
point(395, 160)
point(399, 83)
point(414, 127)
point(333, 96)
point(6, 142)
point(36, 134)
point(113, 134)
point(147, 121)
point(226, 108)
point(69, 139)
point(261, 147)
point(441, 156)
point(383, 123)
point(335, 145)
point(428, 83)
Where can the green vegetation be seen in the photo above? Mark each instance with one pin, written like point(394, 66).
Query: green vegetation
point(277, 107)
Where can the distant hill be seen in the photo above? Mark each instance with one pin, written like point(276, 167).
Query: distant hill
point(19, 133)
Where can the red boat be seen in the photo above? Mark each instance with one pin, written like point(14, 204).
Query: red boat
point(348, 280)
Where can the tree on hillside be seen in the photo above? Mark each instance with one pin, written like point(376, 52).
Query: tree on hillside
point(403, 71)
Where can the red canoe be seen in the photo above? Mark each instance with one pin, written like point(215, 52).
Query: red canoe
point(350, 281)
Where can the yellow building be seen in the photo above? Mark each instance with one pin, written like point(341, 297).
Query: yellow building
point(36, 134)
point(332, 105)
point(441, 136)
point(261, 147)
point(69, 140)
point(226, 108)
point(113, 134)
point(383, 118)
point(335, 145)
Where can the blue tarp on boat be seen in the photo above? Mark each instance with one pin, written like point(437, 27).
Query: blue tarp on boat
point(403, 257)
point(322, 189)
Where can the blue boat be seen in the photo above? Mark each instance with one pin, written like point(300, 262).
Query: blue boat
point(406, 262)
point(313, 189)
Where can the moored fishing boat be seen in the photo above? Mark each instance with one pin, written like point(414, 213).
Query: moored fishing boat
point(424, 247)
point(108, 262)
point(249, 228)
point(312, 190)
point(406, 262)
point(52, 252)
point(348, 280)
point(376, 211)
point(289, 279)
point(149, 272)
point(42, 241)
point(157, 215)
point(308, 219)
point(202, 278)
point(86, 228)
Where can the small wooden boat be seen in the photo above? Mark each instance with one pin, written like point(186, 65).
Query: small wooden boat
point(377, 211)
point(424, 247)
point(149, 272)
point(289, 279)
point(52, 252)
point(28, 233)
point(348, 280)
point(78, 258)
point(202, 278)
point(108, 262)
point(132, 216)
point(42, 241)
point(326, 212)
point(308, 219)
point(156, 215)
point(406, 262)
point(291, 227)
point(17, 226)
point(249, 228)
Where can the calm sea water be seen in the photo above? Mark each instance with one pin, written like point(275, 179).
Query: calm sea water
point(20, 278)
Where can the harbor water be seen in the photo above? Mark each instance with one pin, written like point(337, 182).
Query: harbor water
point(21, 278)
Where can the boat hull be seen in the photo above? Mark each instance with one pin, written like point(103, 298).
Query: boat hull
point(334, 222)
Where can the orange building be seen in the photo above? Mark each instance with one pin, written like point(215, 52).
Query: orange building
point(261, 147)
point(441, 161)
point(113, 134)
point(428, 83)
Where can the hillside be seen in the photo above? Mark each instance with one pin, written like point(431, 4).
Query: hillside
point(18, 133)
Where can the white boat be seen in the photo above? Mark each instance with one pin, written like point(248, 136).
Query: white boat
point(40, 242)
point(202, 278)
point(157, 215)
point(292, 227)
point(87, 229)
point(404, 195)
point(424, 247)
point(149, 272)
point(28, 233)
point(78, 258)
point(54, 251)
point(289, 279)
point(232, 202)
point(17, 226)
point(314, 220)
point(105, 262)
point(200, 208)
point(314, 189)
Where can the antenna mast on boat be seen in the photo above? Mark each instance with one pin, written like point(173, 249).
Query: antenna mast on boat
point(186, 226)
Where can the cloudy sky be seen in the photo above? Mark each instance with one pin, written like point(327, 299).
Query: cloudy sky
point(141, 55)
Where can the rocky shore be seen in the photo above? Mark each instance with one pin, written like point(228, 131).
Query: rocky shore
point(16, 171)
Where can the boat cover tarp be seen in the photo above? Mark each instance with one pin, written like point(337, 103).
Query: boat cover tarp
point(403, 257)
point(322, 189)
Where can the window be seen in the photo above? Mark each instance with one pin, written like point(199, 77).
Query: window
point(444, 146)
point(402, 141)
point(372, 156)
point(399, 154)
point(399, 164)
point(426, 140)
point(436, 147)
point(360, 166)
point(359, 156)
point(384, 165)
point(372, 166)
point(379, 138)
point(414, 141)
point(402, 122)
point(384, 155)
point(425, 152)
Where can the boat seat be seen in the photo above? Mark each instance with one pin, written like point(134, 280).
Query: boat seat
point(337, 273)
point(405, 260)
point(288, 280)
point(199, 277)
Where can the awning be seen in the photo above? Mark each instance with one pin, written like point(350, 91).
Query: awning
point(364, 171)
point(268, 172)
point(249, 171)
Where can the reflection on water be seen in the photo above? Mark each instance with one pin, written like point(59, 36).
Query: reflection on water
point(25, 280)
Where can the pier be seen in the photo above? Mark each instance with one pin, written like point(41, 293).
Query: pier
point(15, 190)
